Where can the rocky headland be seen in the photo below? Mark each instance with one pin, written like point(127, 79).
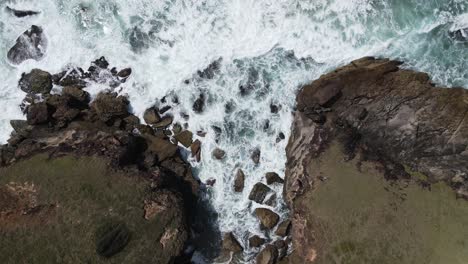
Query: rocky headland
point(377, 168)
point(84, 181)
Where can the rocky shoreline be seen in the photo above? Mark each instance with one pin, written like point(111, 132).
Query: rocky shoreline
point(371, 144)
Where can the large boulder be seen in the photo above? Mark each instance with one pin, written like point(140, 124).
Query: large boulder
point(230, 243)
point(269, 255)
point(268, 218)
point(32, 44)
point(185, 138)
point(259, 192)
point(37, 81)
point(38, 113)
point(108, 106)
point(256, 241)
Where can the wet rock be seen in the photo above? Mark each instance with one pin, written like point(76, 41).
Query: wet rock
point(282, 247)
point(256, 241)
point(271, 200)
point(199, 104)
point(256, 156)
point(70, 77)
point(125, 73)
point(151, 116)
point(283, 228)
point(459, 34)
point(77, 93)
point(109, 105)
point(268, 218)
point(259, 192)
point(211, 70)
point(21, 13)
point(219, 154)
point(239, 181)
point(273, 177)
point(269, 255)
point(164, 109)
point(274, 109)
point(37, 114)
point(165, 122)
point(211, 182)
point(37, 81)
point(218, 131)
point(280, 137)
point(32, 44)
point(176, 128)
point(195, 148)
point(101, 63)
point(185, 138)
point(111, 238)
point(230, 243)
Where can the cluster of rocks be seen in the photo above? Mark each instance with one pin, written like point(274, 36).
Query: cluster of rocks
point(69, 122)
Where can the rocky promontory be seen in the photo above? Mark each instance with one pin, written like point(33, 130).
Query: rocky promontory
point(82, 180)
point(377, 168)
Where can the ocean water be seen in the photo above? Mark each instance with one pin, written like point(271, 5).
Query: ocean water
point(271, 47)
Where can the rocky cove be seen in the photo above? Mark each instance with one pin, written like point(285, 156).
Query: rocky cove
point(376, 173)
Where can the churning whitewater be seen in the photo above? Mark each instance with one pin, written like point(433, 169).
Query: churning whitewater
point(266, 50)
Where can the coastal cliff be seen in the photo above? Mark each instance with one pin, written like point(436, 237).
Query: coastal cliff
point(84, 181)
point(377, 168)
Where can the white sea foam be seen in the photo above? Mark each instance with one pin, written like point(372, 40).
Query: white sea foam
point(278, 44)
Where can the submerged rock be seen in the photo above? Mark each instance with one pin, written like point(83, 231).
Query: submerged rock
point(256, 156)
point(32, 44)
point(459, 34)
point(199, 104)
point(268, 218)
point(21, 13)
point(36, 81)
point(219, 154)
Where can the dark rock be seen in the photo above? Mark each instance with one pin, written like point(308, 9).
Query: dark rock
point(151, 116)
point(21, 13)
point(267, 218)
point(32, 44)
point(164, 109)
point(77, 93)
point(259, 192)
point(280, 137)
point(219, 154)
point(185, 138)
point(211, 182)
point(70, 77)
point(109, 105)
point(282, 247)
point(230, 243)
point(271, 200)
point(256, 156)
point(269, 255)
point(101, 63)
point(273, 177)
point(274, 109)
point(459, 34)
point(125, 73)
point(131, 121)
point(176, 128)
point(37, 114)
point(165, 122)
point(37, 81)
point(239, 181)
point(256, 241)
point(21, 127)
point(199, 104)
point(283, 228)
point(195, 148)
point(111, 238)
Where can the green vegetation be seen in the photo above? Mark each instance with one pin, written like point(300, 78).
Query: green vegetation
point(78, 198)
point(360, 218)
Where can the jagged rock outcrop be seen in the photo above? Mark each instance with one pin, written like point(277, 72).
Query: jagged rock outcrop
point(373, 119)
point(130, 179)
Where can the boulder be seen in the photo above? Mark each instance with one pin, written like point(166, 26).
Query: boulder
point(185, 138)
point(210, 71)
point(269, 255)
point(21, 127)
point(282, 247)
point(77, 93)
point(273, 177)
point(108, 106)
point(37, 81)
point(256, 156)
point(165, 122)
point(239, 181)
point(271, 200)
point(38, 113)
point(125, 73)
point(283, 228)
point(259, 192)
point(256, 241)
point(219, 154)
point(32, 44)
point(195, 148)
point(268, 218)
point(151, 116)
point(230, 243)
